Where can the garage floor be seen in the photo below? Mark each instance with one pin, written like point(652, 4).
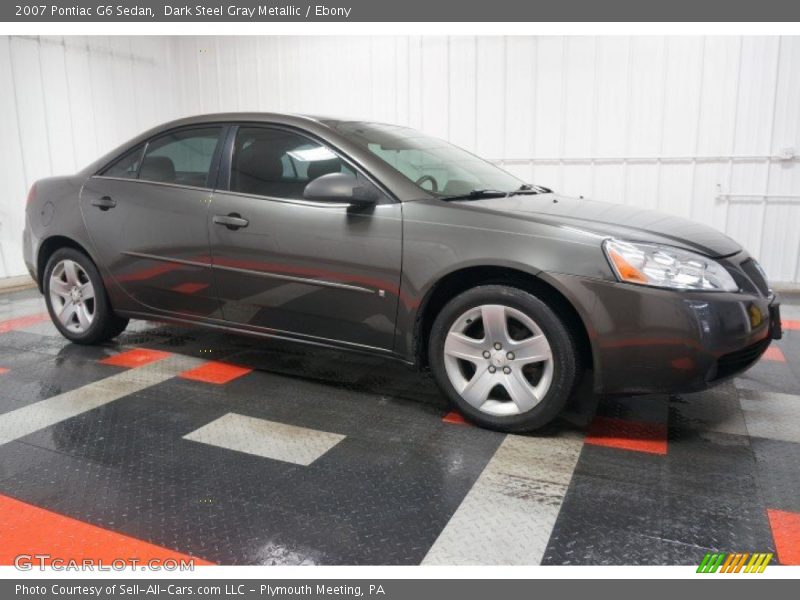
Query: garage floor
point(175, 442)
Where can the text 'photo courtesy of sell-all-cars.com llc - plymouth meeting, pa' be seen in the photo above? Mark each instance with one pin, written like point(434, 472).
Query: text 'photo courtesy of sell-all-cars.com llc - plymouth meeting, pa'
point(379, 239)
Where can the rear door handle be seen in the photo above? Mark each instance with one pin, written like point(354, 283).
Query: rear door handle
point(104, 203)
point(232, 221)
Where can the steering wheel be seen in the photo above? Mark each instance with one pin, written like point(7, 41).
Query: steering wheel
point(428, 178)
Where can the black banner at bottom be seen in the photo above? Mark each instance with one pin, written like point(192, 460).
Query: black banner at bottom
point(389, 589)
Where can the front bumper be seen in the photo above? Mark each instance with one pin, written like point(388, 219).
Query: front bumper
point(650, 340)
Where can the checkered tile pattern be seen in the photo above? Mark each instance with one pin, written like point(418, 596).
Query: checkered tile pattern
point(187, 443)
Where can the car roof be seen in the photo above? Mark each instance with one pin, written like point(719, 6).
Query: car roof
point(267, 117)
point(296, 119)
point(245, 116)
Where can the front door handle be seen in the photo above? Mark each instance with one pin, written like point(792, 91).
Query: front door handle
point(104, 203)
point(232, 221)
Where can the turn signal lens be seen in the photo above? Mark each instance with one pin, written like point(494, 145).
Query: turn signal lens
point(625, 270)
point(667, 267)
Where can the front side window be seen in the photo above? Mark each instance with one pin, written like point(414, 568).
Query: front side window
point(278, 163)
point(126, 167)
point(432, 164)
point(181, 157)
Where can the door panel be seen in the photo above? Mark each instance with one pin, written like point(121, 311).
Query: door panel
point(147, 216)
point(154, 243)
point(315, 270)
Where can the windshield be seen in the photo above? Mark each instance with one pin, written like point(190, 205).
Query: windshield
point(432, 164)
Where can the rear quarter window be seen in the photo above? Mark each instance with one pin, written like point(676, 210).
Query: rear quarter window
point(127, 166)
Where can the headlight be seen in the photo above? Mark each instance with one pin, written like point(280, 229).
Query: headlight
point(663, 266)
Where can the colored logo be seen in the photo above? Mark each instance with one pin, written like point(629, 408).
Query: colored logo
point(735, 562)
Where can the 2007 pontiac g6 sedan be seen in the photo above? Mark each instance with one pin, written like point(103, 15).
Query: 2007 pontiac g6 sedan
point(379, 239)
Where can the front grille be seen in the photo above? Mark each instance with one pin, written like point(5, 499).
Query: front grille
point(734, 362)
point(756, 275)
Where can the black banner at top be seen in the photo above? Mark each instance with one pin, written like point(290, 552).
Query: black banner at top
point(144, 11)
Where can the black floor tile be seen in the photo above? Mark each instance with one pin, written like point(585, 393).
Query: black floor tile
point(13, 358)
point(651, 409)
point(725, 523)
point(772, 376)
point(31, 342)
point(601, 544)
point(709, 464)
point(778, 473)
point(45, 379)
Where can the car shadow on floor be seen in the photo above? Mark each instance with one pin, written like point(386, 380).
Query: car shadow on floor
point(361, 373)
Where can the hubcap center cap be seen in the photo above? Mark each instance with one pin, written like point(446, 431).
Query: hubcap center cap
point(498, 359)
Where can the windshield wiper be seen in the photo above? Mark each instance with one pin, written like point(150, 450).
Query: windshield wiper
point(527, 188)
point(476, 195)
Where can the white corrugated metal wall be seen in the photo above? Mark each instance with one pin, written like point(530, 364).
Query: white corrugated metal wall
point(703, 127)
point(63, 103)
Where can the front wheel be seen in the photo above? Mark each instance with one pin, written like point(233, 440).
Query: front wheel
point(76, 299)
point(503, 357)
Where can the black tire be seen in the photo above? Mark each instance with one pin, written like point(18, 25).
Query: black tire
point(566, 360)
point(105, 324)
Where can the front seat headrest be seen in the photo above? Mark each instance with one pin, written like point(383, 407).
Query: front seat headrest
point(318, 168)
point(158, 168)
point(259, 162)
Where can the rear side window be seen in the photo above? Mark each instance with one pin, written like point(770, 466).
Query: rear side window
point(278, 163)
point(181, 157)
point(126, 167)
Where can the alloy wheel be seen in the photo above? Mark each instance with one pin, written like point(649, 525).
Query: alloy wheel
point(72, 296)
point(498, 359)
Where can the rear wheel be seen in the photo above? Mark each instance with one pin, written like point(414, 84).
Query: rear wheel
point(503, 357)
point(76, 299)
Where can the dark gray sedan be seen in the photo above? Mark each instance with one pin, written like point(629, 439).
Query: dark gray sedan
point(377, 238)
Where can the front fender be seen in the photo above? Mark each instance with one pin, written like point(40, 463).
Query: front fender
point(441, 241)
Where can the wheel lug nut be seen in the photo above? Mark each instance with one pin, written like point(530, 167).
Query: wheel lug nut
point(506, 370)
point(486, 354)
point(498, 345)
point(492, 369)
point(510, 356)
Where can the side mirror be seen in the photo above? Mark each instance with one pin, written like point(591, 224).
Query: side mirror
point(341, 188)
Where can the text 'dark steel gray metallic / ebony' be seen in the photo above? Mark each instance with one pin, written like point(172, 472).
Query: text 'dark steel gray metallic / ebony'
point(377, 238)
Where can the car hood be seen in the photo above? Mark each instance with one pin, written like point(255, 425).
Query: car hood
point(612, 220)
